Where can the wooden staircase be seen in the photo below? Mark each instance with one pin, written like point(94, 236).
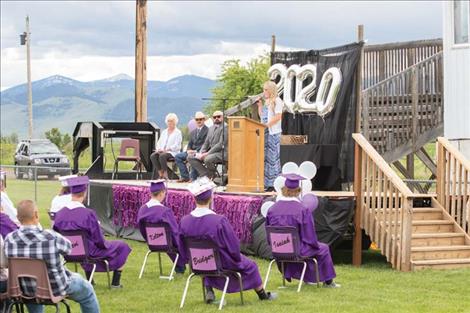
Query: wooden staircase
point(437, 241)
point(414, 231)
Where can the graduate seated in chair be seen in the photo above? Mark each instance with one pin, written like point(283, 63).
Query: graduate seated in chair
point(155, 212)
point(202, 223)
point(289, 211)
point(75, 216)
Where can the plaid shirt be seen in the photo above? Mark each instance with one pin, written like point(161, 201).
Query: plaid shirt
point(47, 245)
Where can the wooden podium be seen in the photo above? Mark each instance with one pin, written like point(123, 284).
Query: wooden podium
point(245, 154)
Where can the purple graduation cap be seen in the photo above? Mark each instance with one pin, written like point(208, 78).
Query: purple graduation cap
point(78, 184)
point(64, 180)
point(157, 185)
point(293, 180)
point(202, 188)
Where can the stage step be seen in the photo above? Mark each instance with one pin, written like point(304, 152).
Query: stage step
point(437, 239)
point(427, 214)
point(432, 226)
point(440, 252)
point(441, 264)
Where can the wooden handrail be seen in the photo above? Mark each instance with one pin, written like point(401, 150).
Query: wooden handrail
point(456, 153)
point(377, 158)
point(404, 45)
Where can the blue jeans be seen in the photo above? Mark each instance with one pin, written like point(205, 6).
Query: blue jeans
point(79, 290)
point(180, 158)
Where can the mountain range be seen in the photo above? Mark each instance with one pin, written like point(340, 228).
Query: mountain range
point(61, 102)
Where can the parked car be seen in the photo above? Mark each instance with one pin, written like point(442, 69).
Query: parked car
point(44, 155)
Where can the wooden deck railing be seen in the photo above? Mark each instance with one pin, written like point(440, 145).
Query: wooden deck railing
point(383, 205)
point(385, 60)
point(453, 183)
point(405, 111)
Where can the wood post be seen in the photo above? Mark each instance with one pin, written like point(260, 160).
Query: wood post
point(440, 179)
point(360, 37)
point(141, 61)
point(406, 234)
point(414, 106)
point(357, 240)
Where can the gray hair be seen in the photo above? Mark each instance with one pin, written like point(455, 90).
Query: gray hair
point(171, 116)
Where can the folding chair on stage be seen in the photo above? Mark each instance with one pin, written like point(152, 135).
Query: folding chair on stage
point(35, 269)
point(284, 242)
point(205, 262)
point(159, 240)
point(135, 157)
point(80, 254)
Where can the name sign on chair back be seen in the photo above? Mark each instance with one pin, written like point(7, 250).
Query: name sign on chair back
point(156, 237)
point(282, 243)
point(78, 247)
point(203, 259)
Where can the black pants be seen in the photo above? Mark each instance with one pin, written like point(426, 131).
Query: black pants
point(159, 162)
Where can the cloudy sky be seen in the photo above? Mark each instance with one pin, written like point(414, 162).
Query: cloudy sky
point(94, 40)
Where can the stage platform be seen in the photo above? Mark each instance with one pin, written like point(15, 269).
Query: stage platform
point(117, 202)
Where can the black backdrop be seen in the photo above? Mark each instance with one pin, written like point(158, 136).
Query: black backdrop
point(330, 145)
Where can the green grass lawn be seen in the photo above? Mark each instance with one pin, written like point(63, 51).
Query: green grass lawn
point(374, 287)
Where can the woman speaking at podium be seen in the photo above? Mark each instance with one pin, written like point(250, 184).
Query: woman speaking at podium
point(270, 112)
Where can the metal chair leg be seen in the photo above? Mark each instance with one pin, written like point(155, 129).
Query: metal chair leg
point(67, 306)
point(143, 265)
point(172, 273)
point(317, 273)
point(107, 272)
point(227, 280)
point(57, 310)
point(282, 273)
point(90, 279)
point(186, 289)
point(302, 276)
point(160, 263)
point(267, 274)
point(203, 289)
point(241, 286)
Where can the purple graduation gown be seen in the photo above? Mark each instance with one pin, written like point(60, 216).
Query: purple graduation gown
point(81, 218)
point(6, 225)
point(218, 228)
point(293, 213)
point(162, 214)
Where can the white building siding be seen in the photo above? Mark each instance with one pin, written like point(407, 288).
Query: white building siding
point(456, 81)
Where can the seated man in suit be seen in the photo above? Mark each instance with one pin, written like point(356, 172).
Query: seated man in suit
point(31, 241)
point(201, 223)
point(289, 211)
point(214, 150)
point(155, 212)
point(75, 216)
point(196, 140)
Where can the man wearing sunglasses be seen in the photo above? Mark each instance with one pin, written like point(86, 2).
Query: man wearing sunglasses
point(206, 160)
point(196, 140)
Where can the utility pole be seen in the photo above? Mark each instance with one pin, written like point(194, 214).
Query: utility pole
point(26, 40)
point(141, 61)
